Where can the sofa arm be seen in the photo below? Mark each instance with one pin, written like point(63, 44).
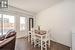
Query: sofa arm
point(8, 44)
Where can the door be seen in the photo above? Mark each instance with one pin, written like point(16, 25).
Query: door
point(31, 23)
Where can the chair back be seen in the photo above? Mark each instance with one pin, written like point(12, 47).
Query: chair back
point(47, 35)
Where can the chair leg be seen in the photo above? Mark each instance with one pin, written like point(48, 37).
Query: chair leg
point(28, 38)
point(41, 45)
point(31, 41)
point(34, 43)
point(45, 45)
point(49, 43)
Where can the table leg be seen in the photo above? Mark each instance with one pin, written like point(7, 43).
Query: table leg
point(41, 44)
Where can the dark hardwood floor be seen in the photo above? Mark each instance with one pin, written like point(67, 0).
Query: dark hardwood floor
point(23, 44)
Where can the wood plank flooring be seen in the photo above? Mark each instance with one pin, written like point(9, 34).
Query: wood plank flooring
point(23, 44)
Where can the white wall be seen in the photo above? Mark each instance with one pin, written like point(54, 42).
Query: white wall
point(59, 19)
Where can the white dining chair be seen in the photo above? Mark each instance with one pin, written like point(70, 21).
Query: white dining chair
point(29, 34)
point(42, 40)
point(32, 35)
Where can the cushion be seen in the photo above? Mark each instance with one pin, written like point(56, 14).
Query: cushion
point(2, 37)
point(10, 33)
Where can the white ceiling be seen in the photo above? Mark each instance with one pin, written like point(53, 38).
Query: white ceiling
point(33, 6)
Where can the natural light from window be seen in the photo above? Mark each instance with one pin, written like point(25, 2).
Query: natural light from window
point(22, 23)
point(0, 24)
point(7, 24)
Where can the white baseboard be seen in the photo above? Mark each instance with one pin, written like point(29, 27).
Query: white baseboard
point(20, 36)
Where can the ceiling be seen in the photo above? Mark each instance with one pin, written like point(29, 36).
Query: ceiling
point(33, 6)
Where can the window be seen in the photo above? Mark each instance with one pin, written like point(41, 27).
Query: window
point(0, 24)
point(7, 22)
point(22, 23)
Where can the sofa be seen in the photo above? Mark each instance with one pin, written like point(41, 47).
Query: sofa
point(7, 42)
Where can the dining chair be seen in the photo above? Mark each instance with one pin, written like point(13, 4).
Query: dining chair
point(42, 40)
point(29, 35)
point(32, 35)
